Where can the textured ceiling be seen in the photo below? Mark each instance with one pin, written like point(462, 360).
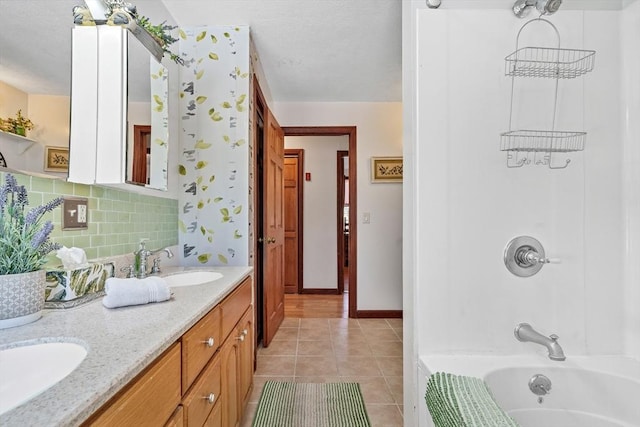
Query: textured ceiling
point(310, 50)
point(315, 50)
point(35, 42)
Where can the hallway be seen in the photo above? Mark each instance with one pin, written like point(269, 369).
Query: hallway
point(316, 306)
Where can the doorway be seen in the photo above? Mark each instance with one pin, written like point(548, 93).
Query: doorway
point(342, 214)
point(350, 252)
point(293, 220)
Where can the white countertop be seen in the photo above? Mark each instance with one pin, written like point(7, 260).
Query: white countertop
point(120, 342)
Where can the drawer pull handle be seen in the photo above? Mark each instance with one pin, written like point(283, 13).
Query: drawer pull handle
point(240, 338)
point(211, 398)
point(210, 342)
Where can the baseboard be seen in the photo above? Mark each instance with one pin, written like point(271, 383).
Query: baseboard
point(319, 291)
point(379, 314)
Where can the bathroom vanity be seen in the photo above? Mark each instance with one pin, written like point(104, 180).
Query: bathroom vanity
point(184, 362)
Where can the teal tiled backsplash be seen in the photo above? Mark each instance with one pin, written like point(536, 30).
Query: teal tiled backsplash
point(118, 219)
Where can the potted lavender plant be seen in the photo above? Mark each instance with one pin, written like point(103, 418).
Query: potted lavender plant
point(24, 246)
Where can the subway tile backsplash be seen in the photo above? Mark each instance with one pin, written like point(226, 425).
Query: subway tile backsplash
point(118, 219)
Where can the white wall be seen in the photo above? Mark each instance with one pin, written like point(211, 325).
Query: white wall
point(470, 205)
point(320, 198)
point(379, 133)
point(630, 86)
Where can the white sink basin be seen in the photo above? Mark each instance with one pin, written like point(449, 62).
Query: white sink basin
point(190, 278)
point(29, 370)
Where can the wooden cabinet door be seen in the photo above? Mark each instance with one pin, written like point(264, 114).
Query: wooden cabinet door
point(150, 400)
point(273, 241)
point(204, 395)
point(229, 357)
point(245, 357)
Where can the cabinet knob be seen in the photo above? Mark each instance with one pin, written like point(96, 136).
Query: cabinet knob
point(211, 398)
point(210, 342)
point(240, 338)
point(245, 332)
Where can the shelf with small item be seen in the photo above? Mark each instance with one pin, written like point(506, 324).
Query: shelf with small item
point(19, 138)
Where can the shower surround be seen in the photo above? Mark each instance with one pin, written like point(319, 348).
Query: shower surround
point(463, 205)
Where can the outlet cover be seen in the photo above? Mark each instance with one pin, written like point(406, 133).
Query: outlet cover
point(75, 213)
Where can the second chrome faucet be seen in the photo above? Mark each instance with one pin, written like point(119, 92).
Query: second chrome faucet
point(141, 255)
point(525, 332)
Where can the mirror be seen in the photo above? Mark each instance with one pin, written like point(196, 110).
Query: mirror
point(147, 117)
point(41, 74)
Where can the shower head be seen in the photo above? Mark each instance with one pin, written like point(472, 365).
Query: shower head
point(521, 8)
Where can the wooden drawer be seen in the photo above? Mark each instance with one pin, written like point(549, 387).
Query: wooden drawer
point(196, 348)
point(203, 396)
point(234, 306)
point(177, 419)
point(150, 399)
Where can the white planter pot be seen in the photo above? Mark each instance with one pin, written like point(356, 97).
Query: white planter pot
point(21, 298)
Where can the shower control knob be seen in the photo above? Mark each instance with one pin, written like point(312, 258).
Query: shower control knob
point(524, 256)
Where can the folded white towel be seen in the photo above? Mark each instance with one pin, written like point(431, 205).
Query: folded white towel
point(123, 292)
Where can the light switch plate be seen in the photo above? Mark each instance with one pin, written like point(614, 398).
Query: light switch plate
point(75, 213)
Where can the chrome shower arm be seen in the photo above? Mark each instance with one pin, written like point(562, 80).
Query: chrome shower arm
point(521, 8)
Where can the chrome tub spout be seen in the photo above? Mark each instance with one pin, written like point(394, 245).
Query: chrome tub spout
point(525, 333)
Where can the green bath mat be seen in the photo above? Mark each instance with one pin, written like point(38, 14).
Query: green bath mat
point(286, 404)
point(461, 401)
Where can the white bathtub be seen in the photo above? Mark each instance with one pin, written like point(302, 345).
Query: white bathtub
point(586, 391)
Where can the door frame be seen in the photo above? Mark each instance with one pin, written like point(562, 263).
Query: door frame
point(349, 131)
point(261, 108)
point(259, 112)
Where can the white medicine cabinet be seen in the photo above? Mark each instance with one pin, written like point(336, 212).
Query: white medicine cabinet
point(116, 86)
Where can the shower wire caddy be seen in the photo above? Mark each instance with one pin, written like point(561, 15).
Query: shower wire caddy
point(524, 145)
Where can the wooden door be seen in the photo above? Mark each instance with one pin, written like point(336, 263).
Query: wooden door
point(273, 222)
point(141, 153)
point(293, 183)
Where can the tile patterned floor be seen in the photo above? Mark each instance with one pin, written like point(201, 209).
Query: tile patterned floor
point(367, 351)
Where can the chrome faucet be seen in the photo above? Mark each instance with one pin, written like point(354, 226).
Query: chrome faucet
point(141, 256)
point(524, 332)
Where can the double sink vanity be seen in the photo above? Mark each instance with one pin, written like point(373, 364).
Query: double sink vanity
point(184, 362)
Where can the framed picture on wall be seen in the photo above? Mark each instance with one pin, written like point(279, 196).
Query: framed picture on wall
point(56, 159)
point(386, 169)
